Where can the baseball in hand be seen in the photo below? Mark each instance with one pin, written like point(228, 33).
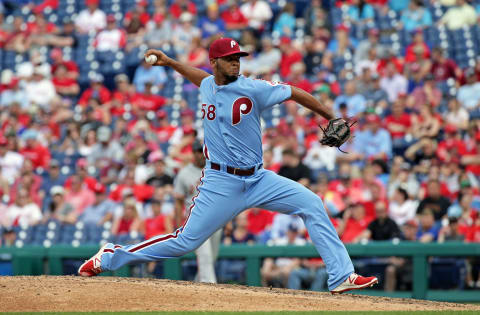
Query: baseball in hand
point(152, 59)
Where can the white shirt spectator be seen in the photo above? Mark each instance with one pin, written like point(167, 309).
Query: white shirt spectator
point(319, 157)
point(10, 164)
point(394, 86)
point(268, 61)
point(257, 13)
point(401, 213)
point(110, 40)
point(40, 92)
point(87, 21)
point(282, 221)
point(28, 215)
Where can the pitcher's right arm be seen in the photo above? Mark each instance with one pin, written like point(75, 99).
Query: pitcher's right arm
point(192, 74)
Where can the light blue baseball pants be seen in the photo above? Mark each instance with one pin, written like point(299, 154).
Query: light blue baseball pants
point(222, 196)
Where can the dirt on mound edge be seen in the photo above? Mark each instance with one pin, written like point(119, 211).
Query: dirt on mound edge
point(69, 293)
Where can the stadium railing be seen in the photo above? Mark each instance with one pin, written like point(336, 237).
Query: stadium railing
point(35, 260)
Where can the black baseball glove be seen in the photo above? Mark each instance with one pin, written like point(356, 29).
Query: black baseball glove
point(336, 133)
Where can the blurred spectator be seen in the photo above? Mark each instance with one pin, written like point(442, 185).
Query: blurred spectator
point(23, 211)
point(58, 208)
point(285, 23)
point(353, 224)
point(363, 48)
point(18, 39)
point(82, 171)
point(360, 12)
point(311, 271)
point(399, 271)
point(78, 195)
point(399, 124)
point(10, 161)
point(182, 152)
point(435, 202)
point(141, 192)
point(297, 77)
point(211, 25)
point(342, 43)
point(451, 148)
point(269, 57)
point(186, 183)
point(463, 14)
point(106, 151)
point(40, 90)
point(428, 229)
point(382, 228)
point(257, 12)
point(101, 210)
point(91, 18)
point(96, 90)
point(426, 94)
point(66, 36)
point(239, 233)
point(444, 68)
point(111, 38)
point(281, 222)
point(8, 237)
point(234, 19)
point(426, 123)
point(52, 177)
point(147, 73)
point(33, 150)
point(290, 56)
point(11, 91)
point(183, 33)
point(147, 100)
point(469, 94)
point(259, 220)
point(129, 221)
point(181, 6)
point(393, 82)
point(158, 32)
point(451, 232)
point(164, 130)
point(416, 16)
point(356, 103)
point(402, 209)
point(457, 115)
point(158, 224)
point(294, 169)
point(138, 15)
point(276, 272)
point(373, 142)
point(197, 55)
point(64, 86)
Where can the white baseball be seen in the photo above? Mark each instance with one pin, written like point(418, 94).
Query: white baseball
point(152, 59)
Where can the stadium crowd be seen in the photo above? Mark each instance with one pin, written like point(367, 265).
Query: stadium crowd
point(91, 134)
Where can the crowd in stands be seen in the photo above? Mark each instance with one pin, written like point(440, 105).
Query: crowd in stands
point(92, 137)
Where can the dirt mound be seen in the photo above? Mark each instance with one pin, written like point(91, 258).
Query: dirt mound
point(63, 294)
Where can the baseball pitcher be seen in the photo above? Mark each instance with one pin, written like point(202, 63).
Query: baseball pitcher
point(233, 178)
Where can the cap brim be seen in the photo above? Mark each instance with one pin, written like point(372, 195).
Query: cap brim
point(241, 53)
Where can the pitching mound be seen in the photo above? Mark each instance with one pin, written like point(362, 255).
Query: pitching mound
point(48, 293)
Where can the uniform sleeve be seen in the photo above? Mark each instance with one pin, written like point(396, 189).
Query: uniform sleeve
point(270, 93)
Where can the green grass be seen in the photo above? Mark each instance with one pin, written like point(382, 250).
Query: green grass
point(263, 313)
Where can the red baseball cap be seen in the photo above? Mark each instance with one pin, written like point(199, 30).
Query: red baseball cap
point(91, 2)
point(99, 188)
point(223, 47)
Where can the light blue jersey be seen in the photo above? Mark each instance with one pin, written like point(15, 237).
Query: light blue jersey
point(231, 118)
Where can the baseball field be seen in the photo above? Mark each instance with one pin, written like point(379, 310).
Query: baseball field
point(134, 296)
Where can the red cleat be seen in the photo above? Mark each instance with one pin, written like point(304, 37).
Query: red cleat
point(92, 267)
point(355, 282)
